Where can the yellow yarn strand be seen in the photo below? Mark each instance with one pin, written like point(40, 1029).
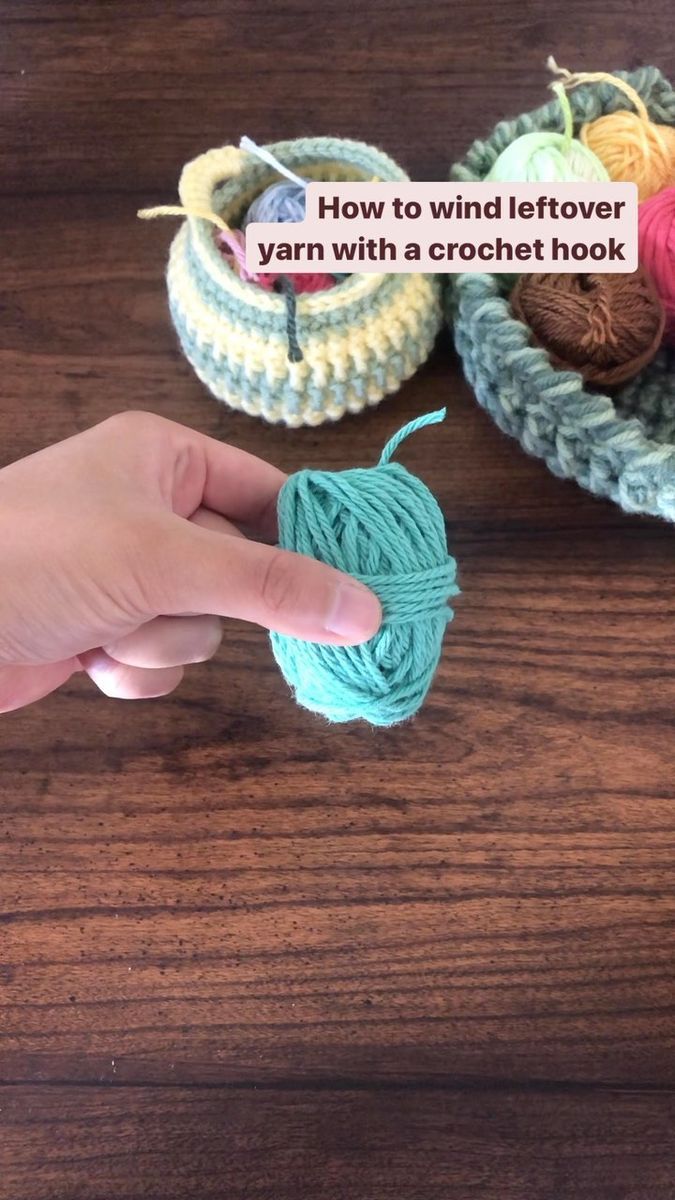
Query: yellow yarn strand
point(571, 79)
point(177, 210)
point(563, 100)
point(632, 147)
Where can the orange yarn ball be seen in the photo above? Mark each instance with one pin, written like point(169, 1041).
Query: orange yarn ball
point(633, 150)
point(656, 242)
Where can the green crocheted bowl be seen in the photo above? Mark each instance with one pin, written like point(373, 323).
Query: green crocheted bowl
point(620, 446)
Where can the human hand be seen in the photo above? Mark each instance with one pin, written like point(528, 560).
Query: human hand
point(121, 548)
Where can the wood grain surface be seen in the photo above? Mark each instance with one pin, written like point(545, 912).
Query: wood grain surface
point(244, 955)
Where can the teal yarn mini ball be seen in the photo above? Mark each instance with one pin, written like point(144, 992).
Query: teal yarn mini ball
point(619, 444)
point(383, 526)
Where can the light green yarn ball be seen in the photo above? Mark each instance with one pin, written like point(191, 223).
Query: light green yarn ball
point(547, 158)
point(383, 526)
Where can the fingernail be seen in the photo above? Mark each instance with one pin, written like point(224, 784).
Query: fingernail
point(356, 613)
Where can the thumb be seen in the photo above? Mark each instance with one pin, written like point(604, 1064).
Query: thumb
point(206, 572)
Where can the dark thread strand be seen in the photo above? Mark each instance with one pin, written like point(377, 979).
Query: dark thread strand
point(285, 286)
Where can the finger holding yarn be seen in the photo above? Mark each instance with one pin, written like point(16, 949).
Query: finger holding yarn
point(632, 147)
point(548, 157)
point(605, 326)
point(383, 526)
point(656, 241)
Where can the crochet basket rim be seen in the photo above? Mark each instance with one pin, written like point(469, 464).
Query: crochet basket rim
point(641, 477)
point(310, 153)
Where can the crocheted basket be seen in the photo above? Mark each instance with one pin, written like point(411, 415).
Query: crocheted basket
point(359, 339)
point(621, 447)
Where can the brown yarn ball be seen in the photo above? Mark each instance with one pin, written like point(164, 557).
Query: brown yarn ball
point(606, 327)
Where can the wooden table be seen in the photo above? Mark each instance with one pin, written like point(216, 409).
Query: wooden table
point(244, 955)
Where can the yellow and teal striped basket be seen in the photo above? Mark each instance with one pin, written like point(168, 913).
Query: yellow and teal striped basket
point(359, 339)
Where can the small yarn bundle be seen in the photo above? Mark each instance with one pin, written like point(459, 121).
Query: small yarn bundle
point(302, 284)
point(383, 526)
point(354, 343)
point(632, 147)
point(232, 245)
point(656, 242)
point(606, 327)
point(547, 156)
point(280, 203)
point(621, 446)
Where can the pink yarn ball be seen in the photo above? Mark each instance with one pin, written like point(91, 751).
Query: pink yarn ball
point(656, 240)
point(302, 283)
point(232, 245)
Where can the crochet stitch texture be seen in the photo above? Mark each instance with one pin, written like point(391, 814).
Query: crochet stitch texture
point(621, 447)
point(359, 339)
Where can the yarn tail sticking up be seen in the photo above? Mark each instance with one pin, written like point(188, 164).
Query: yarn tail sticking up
point(432, 418)
point(266, 156)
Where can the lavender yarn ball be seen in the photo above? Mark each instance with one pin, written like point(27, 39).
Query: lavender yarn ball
point(280, 203)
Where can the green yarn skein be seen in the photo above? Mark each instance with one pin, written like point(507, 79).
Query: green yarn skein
point(383, 526)
point(549, 157)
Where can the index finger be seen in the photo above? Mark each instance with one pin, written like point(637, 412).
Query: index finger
point(237, 485)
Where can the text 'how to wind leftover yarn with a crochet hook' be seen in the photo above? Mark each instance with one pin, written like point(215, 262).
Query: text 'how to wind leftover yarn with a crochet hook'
point(405, 227)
